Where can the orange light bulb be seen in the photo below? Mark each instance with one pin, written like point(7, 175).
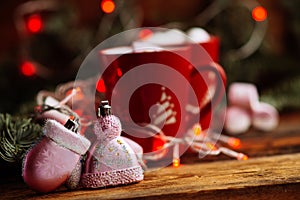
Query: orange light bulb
point(176, 162)
point(234, 142)
point(245, 157)
point(259, 14)
point(197, 129)
point(108, 6)
point(242, 156)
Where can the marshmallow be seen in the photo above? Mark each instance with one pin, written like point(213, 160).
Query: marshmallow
point(245, 109)
point(243, 94)
point(198, 35)
point(171, 37)
point(265, 117)
point(237, 120)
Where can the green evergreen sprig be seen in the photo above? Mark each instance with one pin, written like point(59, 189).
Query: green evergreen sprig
point(17, 135)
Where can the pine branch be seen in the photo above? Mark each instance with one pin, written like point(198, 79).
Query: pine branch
point(17, 135)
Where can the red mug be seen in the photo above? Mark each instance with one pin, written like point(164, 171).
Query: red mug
point(205, 57)
point(156, 86)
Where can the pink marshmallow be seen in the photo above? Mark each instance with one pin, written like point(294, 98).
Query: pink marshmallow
point(243, 94)
point(245, 106)
point(265, 117)
point(237, 121)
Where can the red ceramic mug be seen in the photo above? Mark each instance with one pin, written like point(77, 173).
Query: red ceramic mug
point(210, 84)
point(157, 87)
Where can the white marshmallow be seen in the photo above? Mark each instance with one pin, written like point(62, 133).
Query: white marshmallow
point(198, 35)
point(171, 37)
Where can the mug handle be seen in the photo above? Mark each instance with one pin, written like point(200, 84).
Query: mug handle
point(219, 90)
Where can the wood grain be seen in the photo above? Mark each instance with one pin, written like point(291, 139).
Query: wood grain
point(266, 177)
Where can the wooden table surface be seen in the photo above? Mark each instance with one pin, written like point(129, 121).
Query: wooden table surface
point(272, 172)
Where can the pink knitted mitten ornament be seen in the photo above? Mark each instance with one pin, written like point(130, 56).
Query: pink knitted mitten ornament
point(50, 162)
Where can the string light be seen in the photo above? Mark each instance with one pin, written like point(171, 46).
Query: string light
point(234, 142)
point(34, 23)
point(259, 14)
point(243, 157)
point(231, 141)
point(108, 6)
point(28, 68)
point(198, 140)
point(229, 152)
point(176, 162)
point(197, 129)
point(176, 157)
point(211, 146)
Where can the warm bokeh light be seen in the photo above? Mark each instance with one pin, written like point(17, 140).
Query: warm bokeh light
point(245, 157)
point(108, 6)
point(197, 129)
point(211, 146)
point(100, 87)
point(176, 162)
point(242, 156)
point(234, 142)
point(34, 23)
point(28, 68)
point(259, 13)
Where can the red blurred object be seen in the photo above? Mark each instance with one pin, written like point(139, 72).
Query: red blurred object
point(108, 6)
point(259, 14)
point(28, 68)
point(140, 100)
point(34, 23)
point(212, 47)
point(101, 86)
point(157, 144)
point(119, 72)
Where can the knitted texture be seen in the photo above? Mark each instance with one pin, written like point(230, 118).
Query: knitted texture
point(112, 178)
point(66, 138)
point(108, 128)
point(111, 160)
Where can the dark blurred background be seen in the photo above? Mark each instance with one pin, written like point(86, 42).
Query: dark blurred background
point(63, 32)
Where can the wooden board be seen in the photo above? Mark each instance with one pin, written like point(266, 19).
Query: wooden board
point(272, 177)
point(272, 172)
